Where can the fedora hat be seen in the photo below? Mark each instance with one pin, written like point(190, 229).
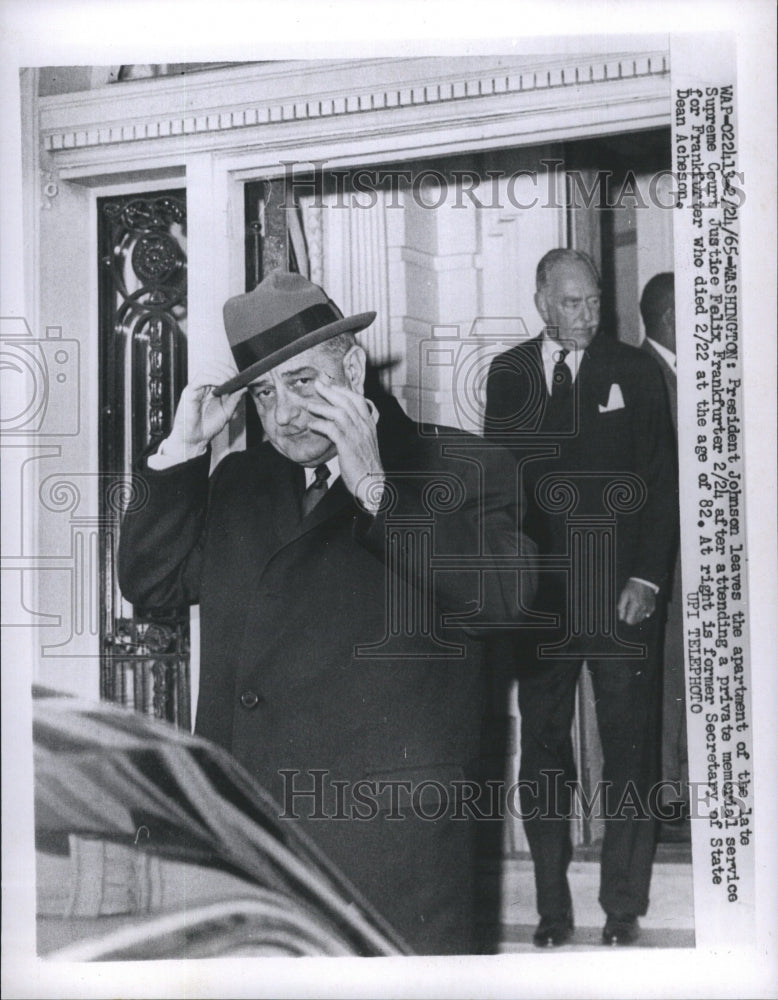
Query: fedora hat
point(283, 316)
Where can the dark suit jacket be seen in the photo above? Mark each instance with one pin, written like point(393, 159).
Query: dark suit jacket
point(290, 609)
point(671, 380)
point(674, 709)
point(592, 446)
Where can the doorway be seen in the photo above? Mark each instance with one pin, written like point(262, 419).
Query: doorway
point(144, 653)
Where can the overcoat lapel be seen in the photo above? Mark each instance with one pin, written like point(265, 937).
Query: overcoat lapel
point(286, 489)
point(336, 499)
point(530, 388)
point(286, 485)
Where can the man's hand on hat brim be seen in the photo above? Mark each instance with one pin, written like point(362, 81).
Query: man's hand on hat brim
point(344, 416)
point(200, 414)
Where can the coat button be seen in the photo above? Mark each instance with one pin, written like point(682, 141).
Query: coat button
point(250, 699)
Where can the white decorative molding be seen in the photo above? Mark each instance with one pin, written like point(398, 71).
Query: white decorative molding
point(49, 188)
point(354, 268)
point(286, 105)
point(499, 81)
point(312, 225)
point(367, 270)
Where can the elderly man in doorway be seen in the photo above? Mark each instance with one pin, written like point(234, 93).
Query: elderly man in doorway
point(340, 663)
point(588, 421)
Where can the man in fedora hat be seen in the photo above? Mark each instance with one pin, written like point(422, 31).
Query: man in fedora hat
point(337, 664)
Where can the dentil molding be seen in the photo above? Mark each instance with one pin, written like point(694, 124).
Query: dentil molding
point(264, 104)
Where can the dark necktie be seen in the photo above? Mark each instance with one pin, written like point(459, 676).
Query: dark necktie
point(562, 378)
point(316, 490)
point(558, 409)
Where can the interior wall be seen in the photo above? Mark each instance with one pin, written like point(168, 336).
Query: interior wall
point(655, 227)
point(620, 190)
point(640, 236)
point(60, 482)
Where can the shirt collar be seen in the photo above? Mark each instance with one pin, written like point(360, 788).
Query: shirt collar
point(550, 351)
point(334, 469)
point(663, 352)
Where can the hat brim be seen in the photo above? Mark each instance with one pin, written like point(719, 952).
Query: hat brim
point(349, 324)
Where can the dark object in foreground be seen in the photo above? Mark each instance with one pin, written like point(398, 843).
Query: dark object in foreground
point(152, 843)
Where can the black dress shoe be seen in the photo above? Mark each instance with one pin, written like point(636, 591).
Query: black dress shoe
point(621, 928)
point(553, 931)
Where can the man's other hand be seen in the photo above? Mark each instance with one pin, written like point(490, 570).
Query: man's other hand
point(636, 603)
point(345, 417)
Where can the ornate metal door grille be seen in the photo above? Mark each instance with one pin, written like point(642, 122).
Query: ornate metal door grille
point(143, 368)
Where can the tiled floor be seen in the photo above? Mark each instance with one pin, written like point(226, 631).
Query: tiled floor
point(669, 922)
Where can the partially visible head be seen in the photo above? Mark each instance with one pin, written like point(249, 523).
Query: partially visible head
point(282, 394)
point(567, 296)
point(657, 307)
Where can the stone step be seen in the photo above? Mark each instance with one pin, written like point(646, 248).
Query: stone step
point(508, 887)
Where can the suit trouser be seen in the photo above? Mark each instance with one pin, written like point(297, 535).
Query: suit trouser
point(627, 697)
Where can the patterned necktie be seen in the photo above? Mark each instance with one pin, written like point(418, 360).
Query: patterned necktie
point(561, 378)
point(316, 490)
point(558, 405)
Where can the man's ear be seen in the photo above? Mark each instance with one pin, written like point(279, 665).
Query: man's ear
point(354, 363)
point(667, 322)
point(541, 306)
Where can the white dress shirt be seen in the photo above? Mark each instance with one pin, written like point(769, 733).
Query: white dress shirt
point(165, 457)
point(663, 353)
point(333, 466)
point(162, 459)
point(550, 349)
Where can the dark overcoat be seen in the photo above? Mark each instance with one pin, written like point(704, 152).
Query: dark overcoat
point(329, 643)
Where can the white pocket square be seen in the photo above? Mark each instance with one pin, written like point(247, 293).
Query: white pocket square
point(615, 400)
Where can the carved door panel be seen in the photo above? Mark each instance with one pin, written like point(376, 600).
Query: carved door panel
point(143, 368)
